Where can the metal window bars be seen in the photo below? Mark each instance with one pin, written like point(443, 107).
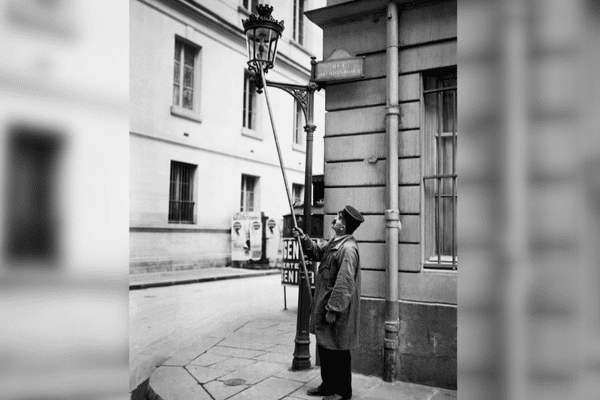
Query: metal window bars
point(181, 193)
point(444, 179)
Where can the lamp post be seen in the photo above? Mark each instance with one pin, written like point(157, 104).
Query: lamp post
point(262, 34)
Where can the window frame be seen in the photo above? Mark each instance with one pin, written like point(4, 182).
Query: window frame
point(249, 114)
point(295, 187)
point(249, 5)
point(244, 191)
point(298, 22)
point(178, 109)
point(192, 171)
point(298, 132)
point(442, 261)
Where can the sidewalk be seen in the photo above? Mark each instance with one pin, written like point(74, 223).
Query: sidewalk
point(156, 279)
point(253, 362)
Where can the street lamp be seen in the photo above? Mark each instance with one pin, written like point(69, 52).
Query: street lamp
point(262, 34)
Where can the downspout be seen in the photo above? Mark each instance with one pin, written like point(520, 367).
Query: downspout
point(392, 213)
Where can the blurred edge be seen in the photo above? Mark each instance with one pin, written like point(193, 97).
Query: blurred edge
point(529, 219)
point(530, 194)
point(64, 202)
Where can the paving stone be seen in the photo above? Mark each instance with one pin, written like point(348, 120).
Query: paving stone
point(234, 352)
point(255, 373)
point(300, 393)
point(233, 364)
point(189, 353)
point(220, 391)
point(205, 374)
point(372, 388)
point(269, 389)
point(443, 394)
point(208, 359)
point(246, 342)
point(277, 358)
point(305, 375)
point(282, 348)
point(175, 383)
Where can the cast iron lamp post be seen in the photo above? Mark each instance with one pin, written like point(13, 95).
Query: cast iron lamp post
point(262, 34)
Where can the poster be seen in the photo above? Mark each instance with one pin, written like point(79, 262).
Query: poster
point(246, 236)
point(273, 235)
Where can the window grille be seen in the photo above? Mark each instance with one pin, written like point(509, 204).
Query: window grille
point(181, 193)
point(183, 74)
point(439, 178)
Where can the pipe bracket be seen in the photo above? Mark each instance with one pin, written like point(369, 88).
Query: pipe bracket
point(390, 344)
point(392, 219)
point(392, 110)
point(392, 326)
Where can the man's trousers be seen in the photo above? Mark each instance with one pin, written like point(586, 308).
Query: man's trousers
point(336, 372)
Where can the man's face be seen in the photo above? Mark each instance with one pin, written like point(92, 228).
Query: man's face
point(339, 225)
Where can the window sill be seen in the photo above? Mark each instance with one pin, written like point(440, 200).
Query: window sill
point(252, 133)
point(299, 46)
point(443, 267)
point(299, 147)
point(185, 113)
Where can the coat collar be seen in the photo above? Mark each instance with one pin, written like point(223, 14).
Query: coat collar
point(337, 242)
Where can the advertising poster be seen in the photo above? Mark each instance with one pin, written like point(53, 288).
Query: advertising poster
point(273, 234)
point(240, 240)
point(290, 271)
point(255, 228)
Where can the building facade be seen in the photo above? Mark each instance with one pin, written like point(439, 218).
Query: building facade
point(417, 41)
point(202, 147)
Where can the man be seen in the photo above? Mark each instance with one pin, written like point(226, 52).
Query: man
point(336, 304)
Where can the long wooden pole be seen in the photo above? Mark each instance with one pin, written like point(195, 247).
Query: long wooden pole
point(287, 190)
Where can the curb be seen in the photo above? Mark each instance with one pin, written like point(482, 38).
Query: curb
point(147, 285)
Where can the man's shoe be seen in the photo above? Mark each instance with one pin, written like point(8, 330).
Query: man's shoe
point(336, 397)
point(317, 392)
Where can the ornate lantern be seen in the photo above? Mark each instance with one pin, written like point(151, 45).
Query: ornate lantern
point(262, 34)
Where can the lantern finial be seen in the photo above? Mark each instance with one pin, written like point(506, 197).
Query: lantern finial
point(264, 15)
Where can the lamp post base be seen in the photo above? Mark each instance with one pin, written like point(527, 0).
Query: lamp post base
point(301, 354)
point(302, 340)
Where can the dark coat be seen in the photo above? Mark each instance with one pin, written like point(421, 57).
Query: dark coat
point(337, 289)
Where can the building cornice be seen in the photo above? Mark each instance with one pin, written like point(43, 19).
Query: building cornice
point(194, 10)
point(355, 9)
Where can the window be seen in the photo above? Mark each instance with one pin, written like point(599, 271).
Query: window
point(249, 118)
point(183, 74)
point(250, 5)
point(439, 174)
point(248, 191)
point(298, 124)
point(181, 193)
point(298, 28)
point(298, 194)
point(31, 210)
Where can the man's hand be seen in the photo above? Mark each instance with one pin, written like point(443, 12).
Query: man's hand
point(330, 317)
point(297, 232)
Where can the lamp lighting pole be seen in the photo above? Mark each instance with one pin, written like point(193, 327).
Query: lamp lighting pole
point(262, 34)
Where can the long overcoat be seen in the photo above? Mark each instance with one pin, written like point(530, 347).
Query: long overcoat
point(337, 289)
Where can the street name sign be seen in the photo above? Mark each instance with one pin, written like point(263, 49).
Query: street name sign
point(340, 66)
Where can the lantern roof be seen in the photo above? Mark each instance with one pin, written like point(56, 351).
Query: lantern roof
point(263, 19)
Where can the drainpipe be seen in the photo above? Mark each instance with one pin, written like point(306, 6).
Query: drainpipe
point(392, 214)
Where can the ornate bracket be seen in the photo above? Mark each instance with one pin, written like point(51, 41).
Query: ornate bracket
point(301, 93)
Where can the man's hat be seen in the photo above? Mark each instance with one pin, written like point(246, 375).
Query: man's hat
point(352, 217)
